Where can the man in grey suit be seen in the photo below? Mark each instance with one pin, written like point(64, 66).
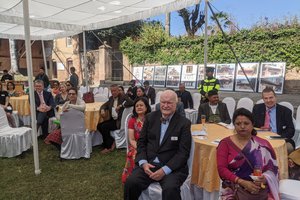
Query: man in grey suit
point(162, 151)
point(214, 110)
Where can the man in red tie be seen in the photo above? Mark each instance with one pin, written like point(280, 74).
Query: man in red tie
point(44, 106)
point(274, 117)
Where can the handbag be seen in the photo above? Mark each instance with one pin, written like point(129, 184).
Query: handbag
point(88, 97)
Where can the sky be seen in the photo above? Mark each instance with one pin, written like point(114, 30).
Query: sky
point(245, 13)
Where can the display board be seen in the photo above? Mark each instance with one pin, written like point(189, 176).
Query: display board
point(138, 74)
point(148, 74)
point(272, 75)
point(201, 73)
point(160, 76)
point(225, 74)
point(251, 70)
point(173, 75)
point(189, 75)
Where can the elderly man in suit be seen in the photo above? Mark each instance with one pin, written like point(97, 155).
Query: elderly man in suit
point(162, 151)
point(44, 106)
point(274, 117)
point(115, 108)
point(214, 110)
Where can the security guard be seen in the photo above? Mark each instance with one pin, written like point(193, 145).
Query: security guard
point(208, 84)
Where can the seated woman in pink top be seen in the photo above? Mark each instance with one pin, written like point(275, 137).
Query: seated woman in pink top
point(246, 163)
point(140, 108)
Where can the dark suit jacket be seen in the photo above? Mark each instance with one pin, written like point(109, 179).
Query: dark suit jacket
point(151, 95)
point(186, 99)
point(108, 106)
point(204, 110)
point(175, 147)
point(48, 98)
point(284, 120)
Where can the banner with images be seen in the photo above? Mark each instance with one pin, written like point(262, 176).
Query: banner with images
point(201, 73)
point(148, 74)
point(160, 76)
point(138, 74)
point(272, 75)
point(189, 75)
point(251, 70)
point(225, 74)
point(173, 75)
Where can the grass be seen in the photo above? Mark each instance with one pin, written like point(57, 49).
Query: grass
point(96, 178)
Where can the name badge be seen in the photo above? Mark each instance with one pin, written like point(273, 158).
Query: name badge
point(174, 138)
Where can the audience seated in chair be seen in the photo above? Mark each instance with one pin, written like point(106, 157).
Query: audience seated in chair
point(185, 97)
point(4, 103)
point(162, 151)
point(214, 110)
point(73, 103)
point(115, 108)
point(44, 107)
point(62, 96)
point(140, 108)
point(274, 117)
point(140, 92)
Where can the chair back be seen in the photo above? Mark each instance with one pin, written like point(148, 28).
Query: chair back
point(100, 98)
point(125, 113)
point(157, 97)
point(230, 103)
point(196, 99)
point(288, 105)
point(72, 122)
point(246, 103)
point(100, 90)
point(96, 91)
point(126, 130)
point(298, 119)
point(259, 101)
point(105, 91)
point(3, 119)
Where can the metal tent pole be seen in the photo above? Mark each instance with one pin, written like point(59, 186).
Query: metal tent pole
point(45, 59)
point(205, 36)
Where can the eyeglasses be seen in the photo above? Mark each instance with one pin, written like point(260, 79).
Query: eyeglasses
point(72, 93)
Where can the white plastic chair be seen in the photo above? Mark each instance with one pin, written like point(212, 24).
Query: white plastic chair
point(77, 142)
point(259, 101)
point(296, 137)
point(196, 99)
point(119, 135)
point(288, 105)
point(230, 103)
point(82, 90)
point(245, 102)
point(289, 189)
point(157, 97)
point(13, 141)
point(100, 90)
point(105, 91)
point(100, 98)
point(154, 191)
point(96, 91)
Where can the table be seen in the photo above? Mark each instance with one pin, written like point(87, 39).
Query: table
point(92, 115)
point(20, 104)
point(204, 171)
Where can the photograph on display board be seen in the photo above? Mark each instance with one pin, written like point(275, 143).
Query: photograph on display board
point(189, 75)
point(251, 70)
point(160, 75)
point(138, 74)
point(201, 73)
point(272, 75)
point(225, 74)
point(173, 75)
point(148, 74)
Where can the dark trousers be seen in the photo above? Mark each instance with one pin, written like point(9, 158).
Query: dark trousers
point(42, 121)
point(139, 181)
point(104, 128)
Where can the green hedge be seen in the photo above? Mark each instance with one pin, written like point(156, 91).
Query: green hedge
point(256, 45)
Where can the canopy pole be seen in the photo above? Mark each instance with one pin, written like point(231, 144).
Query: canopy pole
point(45, 59)
point(37, 170)
point(205, 37)
point(85, 63)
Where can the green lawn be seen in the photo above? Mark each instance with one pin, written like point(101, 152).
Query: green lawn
point(96, 178)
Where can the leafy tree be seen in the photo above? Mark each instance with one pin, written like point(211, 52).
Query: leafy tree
point(224, 21)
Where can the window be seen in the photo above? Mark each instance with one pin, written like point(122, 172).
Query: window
point(69, 41)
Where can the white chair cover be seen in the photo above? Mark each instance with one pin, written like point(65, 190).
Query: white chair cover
point(100, 91)
point(96, 91)
point(119, 135)
point(289, 189)
point(100, 98)
point(97, 138)
point(297, 128)
point(154, 191)
point(192, 115)
point(288, 105)
point(105, 91)
point(126, 130)
point(77, 142)
point(16, 117)
point(157, 97)
point(259, 101)
point(230, 103)
point(82, 90)
point(13, 141)
point(196, 99)
point(245, 102)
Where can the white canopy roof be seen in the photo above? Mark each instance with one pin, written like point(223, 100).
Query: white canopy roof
point(50, 19)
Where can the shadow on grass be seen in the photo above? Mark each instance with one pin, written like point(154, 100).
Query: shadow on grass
point(96, 178)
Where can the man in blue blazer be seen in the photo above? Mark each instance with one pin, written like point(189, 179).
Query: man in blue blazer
point(162, 151)
point(279, 119)
point(44, 106)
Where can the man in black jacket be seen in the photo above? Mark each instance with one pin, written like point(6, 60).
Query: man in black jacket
point(185, 97)
point(6, 76)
